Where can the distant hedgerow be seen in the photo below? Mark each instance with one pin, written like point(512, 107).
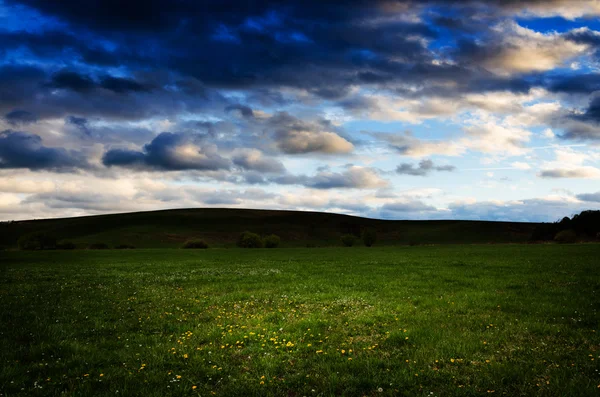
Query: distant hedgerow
point(65, 245)
point(37, 241)
point(566, 237)
point(348, 240)
point(272, 241)
point(98, 246)
point(196, 244)
point(249, 240)
point(124, 247)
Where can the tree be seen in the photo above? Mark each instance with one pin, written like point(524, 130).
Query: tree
point(272, 241)
point(198, 244)
point(348, 240)
point(369, 236)
point(249, 240)
point(566, 237)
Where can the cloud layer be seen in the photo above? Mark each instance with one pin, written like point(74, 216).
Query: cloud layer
point(310, 105)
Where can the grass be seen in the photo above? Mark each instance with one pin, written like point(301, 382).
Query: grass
point(464, 320)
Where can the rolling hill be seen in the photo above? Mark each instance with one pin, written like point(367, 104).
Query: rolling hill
point(221, 227)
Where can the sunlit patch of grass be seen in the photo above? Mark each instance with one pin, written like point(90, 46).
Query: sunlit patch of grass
point(513, 320)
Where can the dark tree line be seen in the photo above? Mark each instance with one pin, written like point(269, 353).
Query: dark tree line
point(586, 226)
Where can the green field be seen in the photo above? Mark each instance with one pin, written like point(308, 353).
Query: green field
point(466, 320)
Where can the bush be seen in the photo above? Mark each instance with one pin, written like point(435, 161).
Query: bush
point(566, 237)
point(97, 246)
point(348, 240)
point(369, 236)
point(196, 244)
point(65, 245)
point(124, 247)
point(272, 241)
point(249, 240)
point(37, 241)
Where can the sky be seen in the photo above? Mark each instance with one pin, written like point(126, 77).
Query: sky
point(393, 109)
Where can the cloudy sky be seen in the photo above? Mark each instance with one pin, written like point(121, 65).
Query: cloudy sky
point(390, 109)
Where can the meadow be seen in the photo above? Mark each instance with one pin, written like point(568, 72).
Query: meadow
point(451, 320)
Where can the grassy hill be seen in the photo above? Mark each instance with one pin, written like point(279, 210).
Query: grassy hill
point(221, 227)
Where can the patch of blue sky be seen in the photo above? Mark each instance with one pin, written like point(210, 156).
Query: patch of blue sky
point(558, 24)
point(364, 125)
point(434, 129)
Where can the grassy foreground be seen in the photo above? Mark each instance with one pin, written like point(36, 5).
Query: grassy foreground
point(438, 320)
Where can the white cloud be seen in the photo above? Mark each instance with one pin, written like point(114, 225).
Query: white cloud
point(20, 185)
point(520, 165)
point(515, 49)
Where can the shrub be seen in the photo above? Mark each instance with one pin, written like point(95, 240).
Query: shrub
point(124, 247)
point(97, 246)
point(348, 240)
point(65, 245)
point(369, 236)
point(196, 244)
point(566, 237)
point(37, 241)
point(249, 240)
point(272, 241)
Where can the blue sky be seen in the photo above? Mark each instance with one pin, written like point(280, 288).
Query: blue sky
point(389, 109)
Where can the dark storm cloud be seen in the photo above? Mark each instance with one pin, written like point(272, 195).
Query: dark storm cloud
point(583, 36)
point(592, 113)
point(582, 126)
point(169, 152)
point(74, 81)
point(122, 85)
point(68, 47)
point(70, 92)
point(19, 83)
point(574, 84)
point(22, 150)
point(318, 47)
point(326, 48)
point(19, 116)
point(424, 168)
point(80, 123)
point(158, 15)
